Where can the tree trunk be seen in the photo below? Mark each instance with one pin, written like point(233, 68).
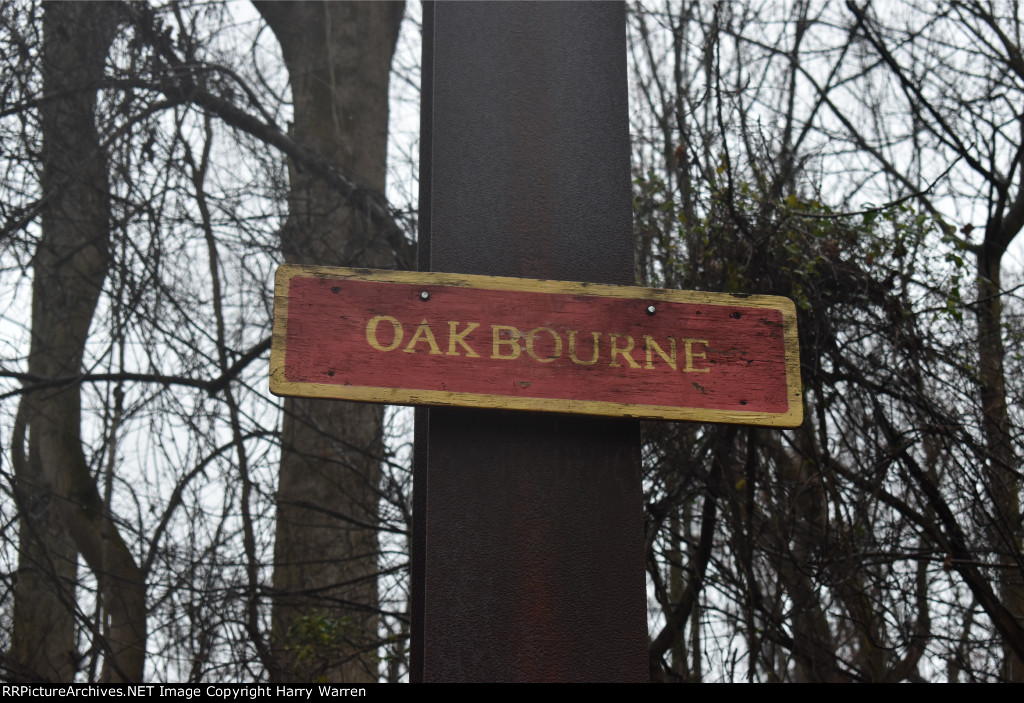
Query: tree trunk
point(1001, 460)
point(43, 646)
point(59, 499)
point(324, 621)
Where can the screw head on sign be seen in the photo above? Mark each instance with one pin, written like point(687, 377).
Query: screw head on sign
point(424, 295)
point(651, 310)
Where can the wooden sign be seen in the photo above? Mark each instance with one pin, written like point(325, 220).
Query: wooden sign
point(408, 338)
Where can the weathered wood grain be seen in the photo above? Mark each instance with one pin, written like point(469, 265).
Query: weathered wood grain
point(439, 339)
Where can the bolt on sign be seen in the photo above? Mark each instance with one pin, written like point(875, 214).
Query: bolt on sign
point(409, 338)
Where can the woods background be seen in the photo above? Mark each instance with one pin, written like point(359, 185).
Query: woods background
point(164, 518)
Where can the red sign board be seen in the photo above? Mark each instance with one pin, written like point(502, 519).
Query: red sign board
point(444, 339)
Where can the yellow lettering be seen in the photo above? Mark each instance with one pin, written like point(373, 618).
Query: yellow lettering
point(650, 345)
point(460, 338)
point(423, 334)
point(371, 332)
point(691, 355)
point(623, 351)
point(572, 349)
point(529, 344)
point(512, 341)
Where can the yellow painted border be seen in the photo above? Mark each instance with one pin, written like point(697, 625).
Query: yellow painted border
point(399, 396)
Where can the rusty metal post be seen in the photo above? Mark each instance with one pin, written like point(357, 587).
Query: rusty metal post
point(528, 528)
